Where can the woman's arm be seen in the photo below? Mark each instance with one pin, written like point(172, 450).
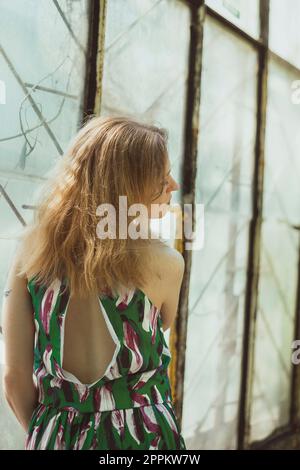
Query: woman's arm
point(172, 270)
point(18, 331)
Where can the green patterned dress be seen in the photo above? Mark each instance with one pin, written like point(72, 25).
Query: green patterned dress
point(129, 407)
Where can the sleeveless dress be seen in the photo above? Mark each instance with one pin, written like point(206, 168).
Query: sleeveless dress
point(129, 407)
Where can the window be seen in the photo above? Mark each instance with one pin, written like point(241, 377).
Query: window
point(218, 276)
point(222, 82)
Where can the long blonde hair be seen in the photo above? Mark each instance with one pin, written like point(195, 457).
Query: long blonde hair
point(110, 156)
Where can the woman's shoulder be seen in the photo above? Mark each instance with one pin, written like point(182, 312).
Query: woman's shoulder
point(17, 264)
point(164, 272)
point(166, 258)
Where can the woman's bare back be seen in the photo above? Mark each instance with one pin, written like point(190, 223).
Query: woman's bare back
point(88, 344)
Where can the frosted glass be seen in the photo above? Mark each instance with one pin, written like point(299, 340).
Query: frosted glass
point(279, 258)
point(282, 162)
point(274, 329)
point(242, 13)
point(42, 53)
point(284, 29)
point(146, 66)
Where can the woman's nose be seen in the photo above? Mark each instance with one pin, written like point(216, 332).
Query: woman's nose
point(175, 185)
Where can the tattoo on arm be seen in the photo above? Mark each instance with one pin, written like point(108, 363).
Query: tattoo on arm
point(7, 292)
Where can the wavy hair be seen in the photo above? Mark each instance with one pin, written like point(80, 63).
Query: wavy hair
point(109, 156)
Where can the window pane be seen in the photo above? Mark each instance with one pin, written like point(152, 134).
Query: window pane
point(284, 29)
point(274, 329)
point(39, 50)
point(279, 258)
point(242, 13)
point(282, 162)
point(142, 78)
point(218, 276)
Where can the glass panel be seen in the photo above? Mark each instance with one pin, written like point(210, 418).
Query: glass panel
point(284, 29)
point(279, 257)
point(140, 77)
point(218, 276)
point(274, 329)
point(282, 162)
point(242, 13)
point(44, 54)
point(42, 70)
point(21, 193)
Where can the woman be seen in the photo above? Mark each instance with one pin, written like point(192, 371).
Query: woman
point(87, 309)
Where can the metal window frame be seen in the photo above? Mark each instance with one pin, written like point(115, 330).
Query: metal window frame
point(247, 370)
point(178, 333)
point(95, 59)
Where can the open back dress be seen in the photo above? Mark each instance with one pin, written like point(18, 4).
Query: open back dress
point(130, 406)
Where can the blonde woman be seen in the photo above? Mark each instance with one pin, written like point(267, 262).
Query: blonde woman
point(84, 313)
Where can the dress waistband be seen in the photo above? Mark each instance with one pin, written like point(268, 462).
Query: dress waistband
point(109, 396)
